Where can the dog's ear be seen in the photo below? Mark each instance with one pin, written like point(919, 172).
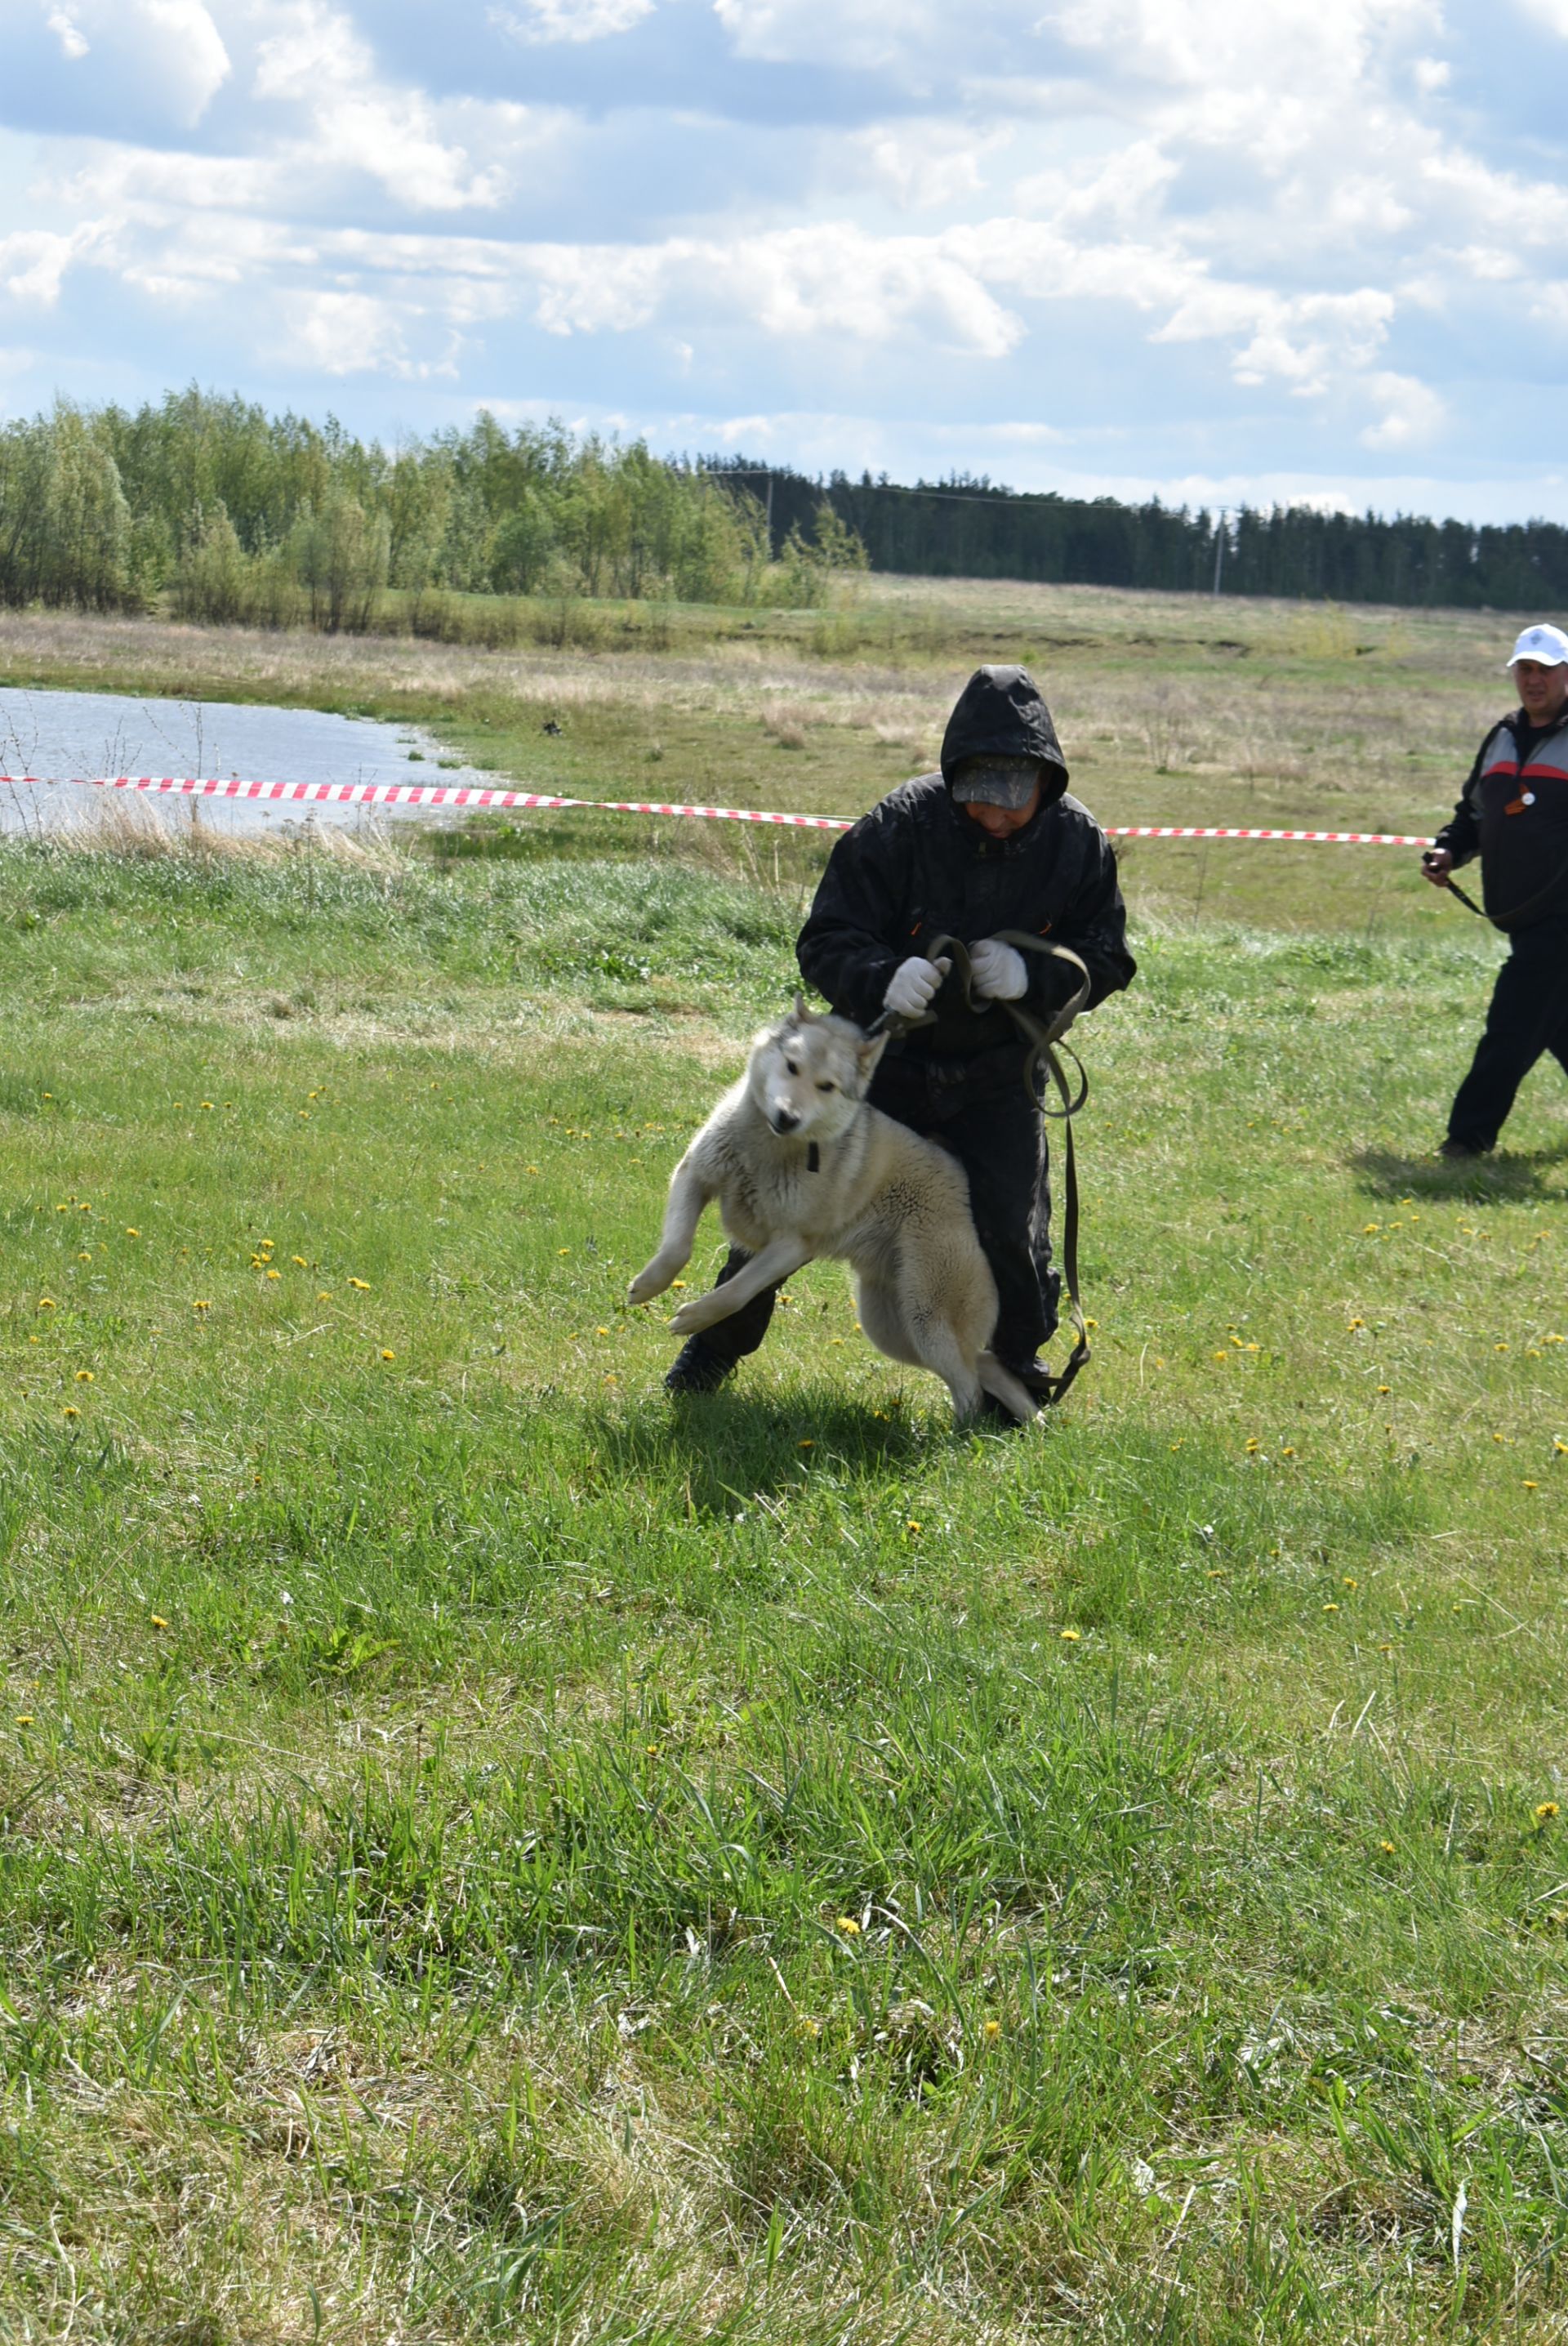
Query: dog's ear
point(800, 1016)
point(868, 1053)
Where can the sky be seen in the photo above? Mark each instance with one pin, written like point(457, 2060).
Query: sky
point(1292, 251)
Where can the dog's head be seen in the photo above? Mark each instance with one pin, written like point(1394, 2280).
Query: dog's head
point(808, 1073)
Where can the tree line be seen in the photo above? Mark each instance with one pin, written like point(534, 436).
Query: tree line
point(207, 505)
point(967, 527)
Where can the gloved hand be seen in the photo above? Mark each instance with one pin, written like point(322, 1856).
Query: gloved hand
point(912, 984)
point(999, 970)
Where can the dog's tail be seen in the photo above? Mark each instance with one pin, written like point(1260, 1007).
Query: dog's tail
point(1005, 1387)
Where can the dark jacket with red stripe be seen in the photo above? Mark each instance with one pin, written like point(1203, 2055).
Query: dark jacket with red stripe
point(1513, 813)
point(917, 868)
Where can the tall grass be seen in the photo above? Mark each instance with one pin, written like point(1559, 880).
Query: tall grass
point(489, 1854)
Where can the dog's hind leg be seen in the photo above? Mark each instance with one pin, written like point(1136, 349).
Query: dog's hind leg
point(1003, 1386)
point(780, 1259)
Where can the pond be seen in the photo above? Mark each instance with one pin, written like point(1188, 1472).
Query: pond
point(62, 734)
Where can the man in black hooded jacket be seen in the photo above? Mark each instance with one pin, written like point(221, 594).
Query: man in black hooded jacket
point(990, 842)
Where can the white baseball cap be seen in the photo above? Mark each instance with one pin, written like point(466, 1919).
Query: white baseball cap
point(1547, 645)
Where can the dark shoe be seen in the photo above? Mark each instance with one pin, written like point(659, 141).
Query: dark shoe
point(696, 1369)
point(1463, 1149)
point(995, 1417)
point(1036, 1377)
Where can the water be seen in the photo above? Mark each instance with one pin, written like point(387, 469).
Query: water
point(65, 733)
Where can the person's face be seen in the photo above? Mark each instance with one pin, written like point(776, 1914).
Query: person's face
point(1000, 822)
point(1541, 691)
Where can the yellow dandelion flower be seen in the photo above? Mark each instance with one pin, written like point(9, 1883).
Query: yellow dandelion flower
point(1383, 1389)
point(387, 1355)
point(323, 1294)
point(71, 1410)
point(1346, 1581)
point(202, 1303)
point(650, 1750)
point(1330, 1608)
point(158, 1620)
point(274, 1274)
point(992, 2028)
point(363, 1285)
point(85, 1254)
point(912, 1526)
point(1545, 1811)
point(674, 1282)
point(24, 1719)
point(601, 1331)
point(1385, 1649)
point(806, 1446)
point(1369, 1230)
point(83, 1376)
point(1500, 1348)
point(1219, 1356)
point(850, 1927)
point(534, 1168)
point(1069, 1637)
point(1532, 1486)
point(679, 1282)
point(1287, 1451)
point(1387, 1847)
point(46, 1303)
point(130, 1233)
point(298, 1262)
point(207, 1104)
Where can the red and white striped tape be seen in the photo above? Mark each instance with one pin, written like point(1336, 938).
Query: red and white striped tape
point(448, 794)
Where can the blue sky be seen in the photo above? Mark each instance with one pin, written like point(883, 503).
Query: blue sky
point(1295, 250)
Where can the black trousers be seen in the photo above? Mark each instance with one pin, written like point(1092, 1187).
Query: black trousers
point(1528, 1016)
point(981, 1115)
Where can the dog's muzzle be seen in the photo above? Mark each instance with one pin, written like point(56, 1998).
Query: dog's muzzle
point(784, 1119)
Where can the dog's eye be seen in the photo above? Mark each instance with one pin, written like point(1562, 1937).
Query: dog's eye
point(791, 1068)
point(827, 1087)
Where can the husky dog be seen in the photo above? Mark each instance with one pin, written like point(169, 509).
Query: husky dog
point(801, 1166)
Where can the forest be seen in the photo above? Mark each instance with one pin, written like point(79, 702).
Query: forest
point(204, 506)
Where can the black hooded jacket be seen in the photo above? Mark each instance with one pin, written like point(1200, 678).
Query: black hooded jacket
point(917, 868)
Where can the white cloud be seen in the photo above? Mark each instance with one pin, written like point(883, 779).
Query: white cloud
point(34, 262)
point(1553, 13)
point(72, 39)
point(318, 62)
point(357, 334)
point(922, 165)
point(570, 20)
point(1411, 413)
point(1432, 74)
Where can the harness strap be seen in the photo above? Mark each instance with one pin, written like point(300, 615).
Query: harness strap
point(1042, 1063)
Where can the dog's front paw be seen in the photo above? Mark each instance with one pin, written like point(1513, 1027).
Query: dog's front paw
point(693, 1317)
point(647, 1285)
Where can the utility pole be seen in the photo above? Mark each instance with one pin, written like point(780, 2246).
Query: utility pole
point(1219, 545)
point(770, 516)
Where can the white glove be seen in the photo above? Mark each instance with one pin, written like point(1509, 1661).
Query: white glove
point(998, 969)
point(912, 984)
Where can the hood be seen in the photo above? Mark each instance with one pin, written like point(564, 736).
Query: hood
point(1000, 713)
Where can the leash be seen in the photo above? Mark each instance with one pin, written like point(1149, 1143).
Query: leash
point(1042, 1063)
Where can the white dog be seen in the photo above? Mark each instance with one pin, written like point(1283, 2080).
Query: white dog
point(801, 1166)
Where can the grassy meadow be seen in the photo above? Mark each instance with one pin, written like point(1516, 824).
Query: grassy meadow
point(487, 1854)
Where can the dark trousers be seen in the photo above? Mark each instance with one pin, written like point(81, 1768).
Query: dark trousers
point(981, 1115)
point(1528, 1016)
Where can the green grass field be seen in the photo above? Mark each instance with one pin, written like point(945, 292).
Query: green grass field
point(487, 1854)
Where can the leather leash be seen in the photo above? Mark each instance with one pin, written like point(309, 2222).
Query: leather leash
point(1042, 1062)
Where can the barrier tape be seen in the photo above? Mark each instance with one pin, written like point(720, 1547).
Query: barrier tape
point(447, 794)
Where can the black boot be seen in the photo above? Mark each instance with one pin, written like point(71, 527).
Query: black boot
point(697, 1369)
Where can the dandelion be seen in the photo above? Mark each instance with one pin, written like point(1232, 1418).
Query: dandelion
point(1370, 1231)
point(130, 1233)
point(1287, 1451)
point(674, 1282)
point(363, 1285)
point(912, 1526)
point(1500, 1348)
point(1545, 1811)
point(992, 2028)
point(1560, 1446)
point(1346, 1581)
point(202, 1303)
point(1532, 1486)
point(158, 1621)
point(298, 1262)
point(70, 1410)
point(850, 1927)
point(1387, 1847)
point(805, 1446)
point(84, 1254)
point(24, 1719)
point(1385, 1649)
point(83, 1376)
point(205, 1103)
point(534, 1168)
point(1069, 1637)
point(274, 1274)
point(386, 1355)
point(1219, 1356)
point(601, 1331)
point(1330, 1608)
point(568, 1250)
point(323, 1294)
point(1383, 1389)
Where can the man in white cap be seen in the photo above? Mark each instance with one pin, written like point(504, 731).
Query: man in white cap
point(1513, 813)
